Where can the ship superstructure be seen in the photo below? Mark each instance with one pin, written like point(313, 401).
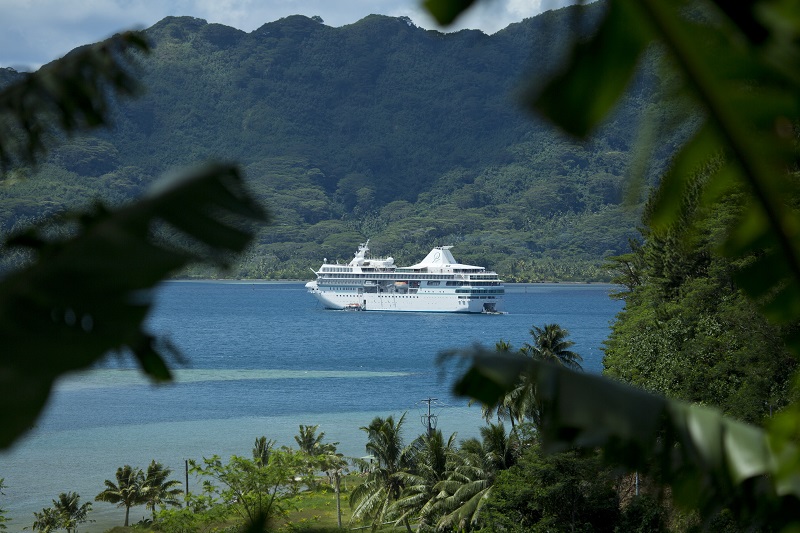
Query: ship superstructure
point(436, 284)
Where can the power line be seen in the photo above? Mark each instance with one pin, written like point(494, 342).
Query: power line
point(429, 420)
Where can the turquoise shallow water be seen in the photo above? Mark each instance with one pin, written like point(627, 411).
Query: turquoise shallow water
point(260, 359)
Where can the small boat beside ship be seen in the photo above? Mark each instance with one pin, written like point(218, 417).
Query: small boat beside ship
point(438, 283)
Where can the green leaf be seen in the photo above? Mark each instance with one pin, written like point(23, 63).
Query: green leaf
point(150, 360)
point(710, 460)
point(446, 11)
point(675, 183)
point(491, 374)
point(762, 274)
point(70, 94)
point(632, 437)
point(485, 389)
point(598, 71)
point(784, 306)
point(89, 294)
point(748, 455)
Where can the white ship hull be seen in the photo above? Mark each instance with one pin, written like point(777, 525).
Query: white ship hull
point(431, 303)
point(438, 284)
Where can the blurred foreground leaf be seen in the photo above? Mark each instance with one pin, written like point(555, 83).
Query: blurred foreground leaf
point(88, 294)
point(447, 11)
point(711, 461)
point(68, 95)
point(742, 73)
point(597, 73)
point(739, 63)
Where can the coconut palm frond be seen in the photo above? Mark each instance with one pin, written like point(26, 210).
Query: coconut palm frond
point(127, 492)
point(159, 491)
point(550, 344)
point(466, 513)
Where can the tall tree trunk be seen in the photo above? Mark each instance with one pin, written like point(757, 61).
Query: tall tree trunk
point(338, 501)
point(127, 512)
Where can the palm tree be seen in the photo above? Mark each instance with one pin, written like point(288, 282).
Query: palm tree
point(307, 440)
point(127, 492)
point(70, 512)
point(471, 473)
point(157, 490)
point(503, 346)
point(461, 496)
point(261, 450)
point(3, 518)
point(502, 409)
point(384, 484)
point(502, 449)
point(430, 466)
point(46, 521)
point(550, 344)
point(520, 403)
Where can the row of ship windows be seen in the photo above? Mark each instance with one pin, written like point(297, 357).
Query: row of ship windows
point(394, 296)
point(420, 275)
point(457, 291)
point(462, 283)
point(479, 291)
point(391, 276)
point(474, 272)
point(404, 277)
point(359, 283)
point(472, 297)
point(350, 269)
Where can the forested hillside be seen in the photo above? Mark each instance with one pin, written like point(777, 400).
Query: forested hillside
point(378, 130)
point(687, 331)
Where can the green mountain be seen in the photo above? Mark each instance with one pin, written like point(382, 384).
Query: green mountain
point(379, 129)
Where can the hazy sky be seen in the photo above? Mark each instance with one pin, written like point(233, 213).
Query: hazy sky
point(34, 32)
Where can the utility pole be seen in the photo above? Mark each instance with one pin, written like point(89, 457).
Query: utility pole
point(186, 486)
point(429, 420)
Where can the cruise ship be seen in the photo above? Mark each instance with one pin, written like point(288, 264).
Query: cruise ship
point(437, 284)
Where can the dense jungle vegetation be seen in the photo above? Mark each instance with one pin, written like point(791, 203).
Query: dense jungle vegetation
point(687, 330)
point(711, 315)
point(379, 130)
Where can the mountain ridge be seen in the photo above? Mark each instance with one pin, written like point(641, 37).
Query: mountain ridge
point(378, 129)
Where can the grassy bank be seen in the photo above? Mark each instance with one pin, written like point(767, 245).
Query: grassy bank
point(311, 510)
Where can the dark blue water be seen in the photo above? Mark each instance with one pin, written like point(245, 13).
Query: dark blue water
point(224, 326)
point(262, 358)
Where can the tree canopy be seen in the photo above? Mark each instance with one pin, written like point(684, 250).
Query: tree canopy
point(728, 62)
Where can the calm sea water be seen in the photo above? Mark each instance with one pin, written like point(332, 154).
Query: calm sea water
point(260, 359)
